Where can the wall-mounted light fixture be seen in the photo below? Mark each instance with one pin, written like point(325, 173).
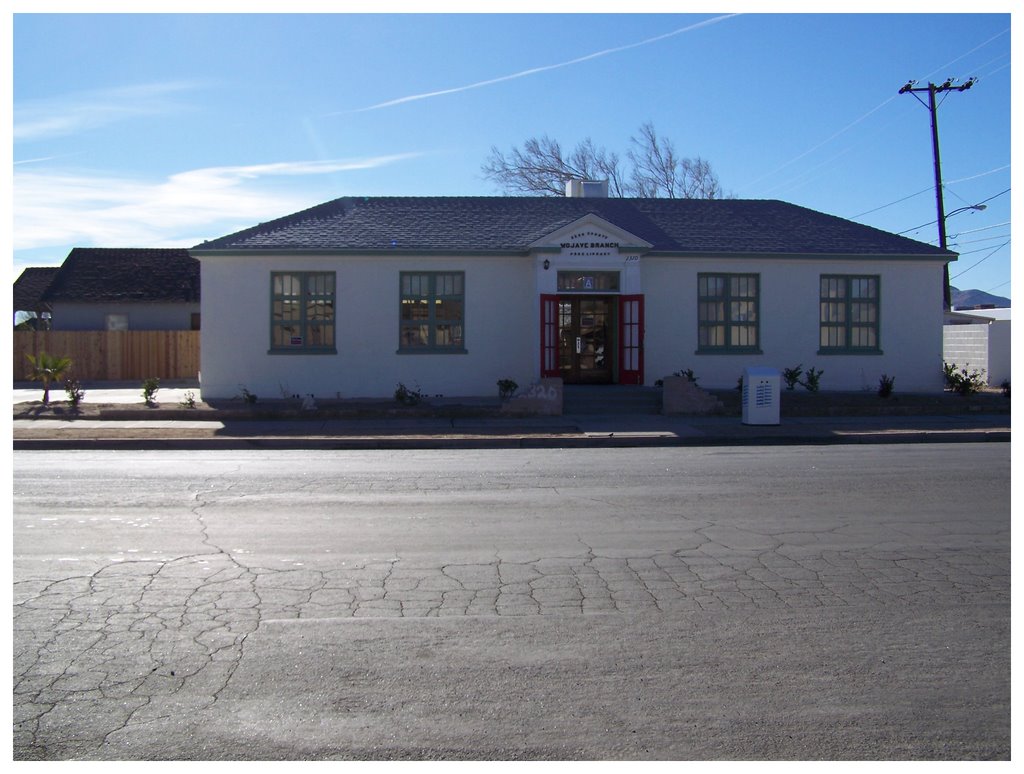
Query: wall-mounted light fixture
point(547, 264)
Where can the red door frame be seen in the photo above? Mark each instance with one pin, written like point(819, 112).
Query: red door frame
point(631, 339)
point(549, 336)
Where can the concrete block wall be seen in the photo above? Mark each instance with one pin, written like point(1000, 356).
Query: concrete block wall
point(967, 346)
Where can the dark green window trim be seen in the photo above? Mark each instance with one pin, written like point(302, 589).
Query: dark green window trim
point(729, 351)
point(431, 312)
point(849, 320)
point(728, 314)
point(302, 313)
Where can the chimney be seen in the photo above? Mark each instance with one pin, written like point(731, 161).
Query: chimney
point(586, 189)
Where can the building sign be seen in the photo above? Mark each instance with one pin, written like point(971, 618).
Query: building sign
point(589, 243)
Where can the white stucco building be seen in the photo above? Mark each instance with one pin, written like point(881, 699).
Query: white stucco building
point(451, 294)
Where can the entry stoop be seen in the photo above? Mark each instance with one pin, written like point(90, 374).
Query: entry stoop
point(610, 399)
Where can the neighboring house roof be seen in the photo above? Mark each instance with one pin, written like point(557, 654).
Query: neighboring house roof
point(104, 275)
point(513, 223)
point(30, 287)
point(982, 315)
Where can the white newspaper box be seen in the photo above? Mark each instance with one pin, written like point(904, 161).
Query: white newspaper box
point(761, 396)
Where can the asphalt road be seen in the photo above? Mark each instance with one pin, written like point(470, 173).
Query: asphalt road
point(841, 602)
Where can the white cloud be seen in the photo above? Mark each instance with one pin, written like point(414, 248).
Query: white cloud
point(57, 209)
point(73, 113)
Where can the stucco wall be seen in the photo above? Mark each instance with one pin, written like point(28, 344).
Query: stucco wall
point(999, 352)
point(500, 328)
point(502, 325)
point(910, 312)
point(141, 316)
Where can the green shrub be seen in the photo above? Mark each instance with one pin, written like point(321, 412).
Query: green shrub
point(791, 376)
point(885, 385)
point(408, 397)
point(150, 387)
point(507, 388)
point(73, 389)
point(962, 381)
point(813, 380)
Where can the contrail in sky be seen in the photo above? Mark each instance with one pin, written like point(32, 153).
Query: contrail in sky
point(535, 70)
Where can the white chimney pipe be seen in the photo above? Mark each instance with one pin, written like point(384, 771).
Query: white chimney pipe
point(586, 189)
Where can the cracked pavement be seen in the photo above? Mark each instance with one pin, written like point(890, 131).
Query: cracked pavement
point(144, 602)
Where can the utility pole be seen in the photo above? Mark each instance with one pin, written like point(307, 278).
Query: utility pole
point(932, 89)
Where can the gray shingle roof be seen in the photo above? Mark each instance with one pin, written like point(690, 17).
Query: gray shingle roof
point(30, 287)
point(469, 224)
point(103, 275)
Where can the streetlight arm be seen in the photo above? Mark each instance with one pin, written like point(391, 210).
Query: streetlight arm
point(978, 207)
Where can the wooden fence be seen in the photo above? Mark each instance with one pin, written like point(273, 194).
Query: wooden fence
point(113, 355)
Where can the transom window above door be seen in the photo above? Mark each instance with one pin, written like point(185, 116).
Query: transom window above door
point(588, 281)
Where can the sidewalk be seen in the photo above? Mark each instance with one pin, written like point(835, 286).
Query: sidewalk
point(128, 431)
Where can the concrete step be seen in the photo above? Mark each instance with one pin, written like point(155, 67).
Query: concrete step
point(610, 399)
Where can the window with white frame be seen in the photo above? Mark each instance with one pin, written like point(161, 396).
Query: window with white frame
point(302, 311)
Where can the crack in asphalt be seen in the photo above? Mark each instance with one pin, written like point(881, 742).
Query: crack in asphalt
point(146, 640)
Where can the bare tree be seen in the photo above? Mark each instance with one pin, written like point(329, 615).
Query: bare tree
point(655, 169)
point(541, 167)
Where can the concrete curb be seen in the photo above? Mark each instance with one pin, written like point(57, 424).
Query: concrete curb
point(615, 440)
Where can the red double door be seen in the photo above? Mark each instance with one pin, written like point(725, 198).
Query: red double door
point(592, 339)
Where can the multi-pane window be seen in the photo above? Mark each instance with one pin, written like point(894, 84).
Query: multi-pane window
point(432, 311)
point(302, 311)
point(727, 312)
point(849, 313)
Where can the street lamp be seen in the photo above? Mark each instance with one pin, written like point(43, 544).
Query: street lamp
point(978, 207)
point(946, 293)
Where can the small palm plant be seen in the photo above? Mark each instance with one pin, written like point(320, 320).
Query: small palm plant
point(47, 369)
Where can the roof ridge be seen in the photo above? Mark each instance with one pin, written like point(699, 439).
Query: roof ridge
point(482, 223)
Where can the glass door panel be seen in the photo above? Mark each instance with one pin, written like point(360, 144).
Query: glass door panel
point(585, 326)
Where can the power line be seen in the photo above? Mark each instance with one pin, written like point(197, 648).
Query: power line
point(977, 241)
point(870, 112)
point(925, 190)
point(933, 222)
point(890, 204)
point(994, 251)
point(983, 228)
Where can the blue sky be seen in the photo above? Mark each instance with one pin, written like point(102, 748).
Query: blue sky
point(155, 130)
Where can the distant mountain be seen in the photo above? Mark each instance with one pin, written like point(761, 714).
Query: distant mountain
point(964, 299)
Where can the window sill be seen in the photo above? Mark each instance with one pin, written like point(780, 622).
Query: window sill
point(841, 351)
point(302, 351)
point(432, 351)
point(729, 351)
